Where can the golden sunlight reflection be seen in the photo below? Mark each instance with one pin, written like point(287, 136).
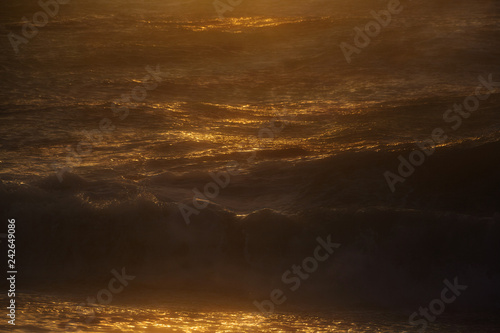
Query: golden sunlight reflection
point(55, 314)
point(241, 23)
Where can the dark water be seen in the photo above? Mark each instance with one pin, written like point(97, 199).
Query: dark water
point(118, 115)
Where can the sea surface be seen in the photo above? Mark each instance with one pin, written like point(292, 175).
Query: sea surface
point(209, 153)
point(57, 314)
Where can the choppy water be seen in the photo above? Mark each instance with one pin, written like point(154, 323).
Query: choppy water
point(54, 314)
point(226, 79)
point(267, 88)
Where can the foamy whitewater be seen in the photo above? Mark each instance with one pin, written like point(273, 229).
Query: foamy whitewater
point(118, 115)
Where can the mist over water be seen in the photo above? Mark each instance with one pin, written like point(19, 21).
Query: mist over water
point(267, 89)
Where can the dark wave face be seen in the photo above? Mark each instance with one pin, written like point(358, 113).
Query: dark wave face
point(206, 148)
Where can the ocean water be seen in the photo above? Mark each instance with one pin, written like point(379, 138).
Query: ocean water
point(57, 314)
point(208, 153)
